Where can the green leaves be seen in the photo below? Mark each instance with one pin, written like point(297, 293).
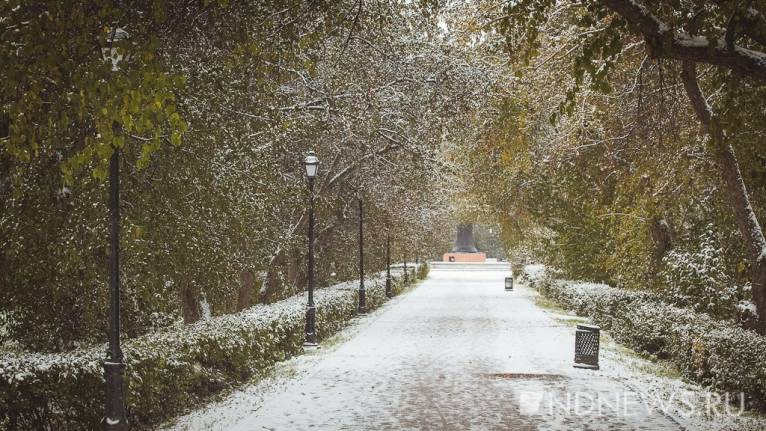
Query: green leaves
point(62, 98)
point(521, 27)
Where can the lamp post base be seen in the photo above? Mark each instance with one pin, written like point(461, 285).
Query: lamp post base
point(311, 332)
point(361, 310)
point(389, 293)
point(115, 419)
point(110, 424)
point(310, 346)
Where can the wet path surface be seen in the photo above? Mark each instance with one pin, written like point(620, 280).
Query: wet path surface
point(456, 353)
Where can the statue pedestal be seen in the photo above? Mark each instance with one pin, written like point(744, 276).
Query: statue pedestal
point(464, 257)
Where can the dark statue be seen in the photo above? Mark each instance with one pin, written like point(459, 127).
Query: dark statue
point(464, 242)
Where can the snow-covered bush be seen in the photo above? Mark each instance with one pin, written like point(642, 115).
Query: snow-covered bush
point(169, 370)
point(717, 353)
point(699, 279)
point(423, 270)
point(531, 274)
point(5, 323)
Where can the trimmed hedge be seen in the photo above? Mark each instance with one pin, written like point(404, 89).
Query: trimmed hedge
point(169, 371)
point(718, 354)
point(422, 271)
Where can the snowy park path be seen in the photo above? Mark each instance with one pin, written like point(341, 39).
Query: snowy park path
point(456, 353)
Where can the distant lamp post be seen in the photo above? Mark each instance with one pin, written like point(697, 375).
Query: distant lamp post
point(362, 309)
point(115, 418)
point(389, 292)
point(311, 163)
point(417, 254)
point(406, 276)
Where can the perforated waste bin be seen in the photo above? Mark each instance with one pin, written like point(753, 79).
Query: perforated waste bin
point(586, 346)
point(509, 283)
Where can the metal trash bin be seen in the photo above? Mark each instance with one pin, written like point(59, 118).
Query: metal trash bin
point(509, 283)
point(586, 346)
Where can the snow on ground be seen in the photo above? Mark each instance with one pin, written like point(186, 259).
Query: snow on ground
point(458, 352)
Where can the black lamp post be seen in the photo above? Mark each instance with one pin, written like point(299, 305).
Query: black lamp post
point(115, 418)
point(417, 254)
point(311, 164)
point(362, 309)
point(389, 293)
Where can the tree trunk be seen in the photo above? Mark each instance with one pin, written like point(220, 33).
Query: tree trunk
point(269, 286)
point(4, 272)
point(662, 238)
point(245, 297)
point(271, 283)
point(293, 271)
point(759, 292)
point(190, 306)
point(736, 191)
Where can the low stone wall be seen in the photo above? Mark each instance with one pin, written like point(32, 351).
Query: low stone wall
point(464, 257)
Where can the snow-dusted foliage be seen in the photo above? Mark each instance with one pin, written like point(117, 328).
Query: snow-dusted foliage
point(719, 354)
point(170, 370)
point(222, 215)
point(532, 274)
point(699, 279)
point(604, 173)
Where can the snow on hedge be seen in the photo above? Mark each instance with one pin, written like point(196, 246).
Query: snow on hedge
point(170, 370)
point(718, 354)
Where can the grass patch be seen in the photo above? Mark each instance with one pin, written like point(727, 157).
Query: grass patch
point(642, 362)
point(559, 314)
